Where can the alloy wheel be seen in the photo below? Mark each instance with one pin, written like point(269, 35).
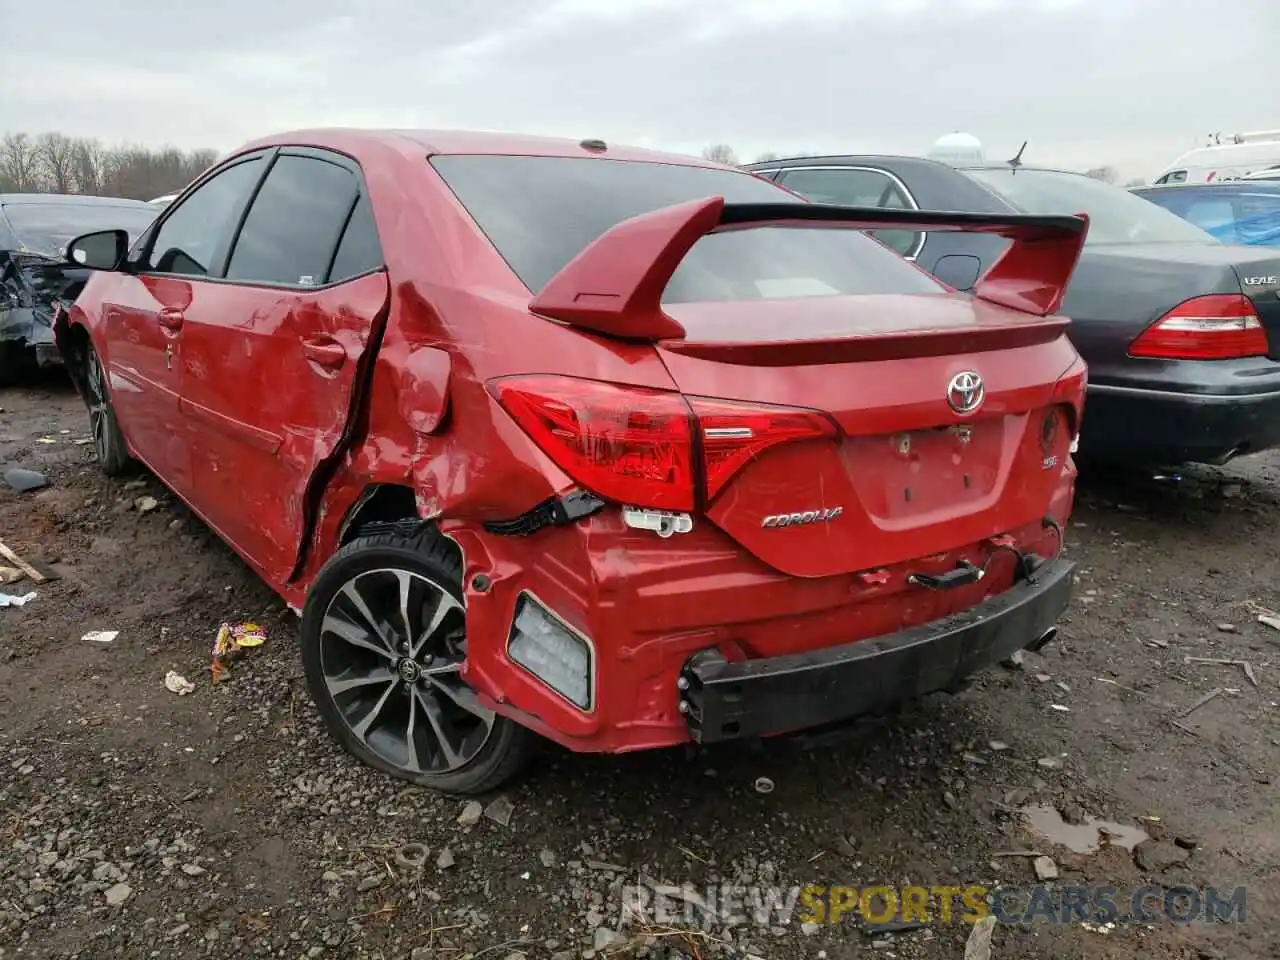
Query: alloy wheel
point(98, 406)
point(392, 643)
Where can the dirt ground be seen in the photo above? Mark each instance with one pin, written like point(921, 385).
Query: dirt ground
point(135, 822)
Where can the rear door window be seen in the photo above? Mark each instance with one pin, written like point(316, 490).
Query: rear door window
point(359, 252)
point(858, 187)
point(295, 223)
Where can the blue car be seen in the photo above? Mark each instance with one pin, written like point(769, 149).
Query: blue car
point(1245, 212)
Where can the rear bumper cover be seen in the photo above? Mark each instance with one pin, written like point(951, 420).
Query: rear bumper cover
point(729, 701)
point(1161, 426)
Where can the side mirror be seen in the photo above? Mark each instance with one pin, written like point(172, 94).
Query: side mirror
point(104, 250)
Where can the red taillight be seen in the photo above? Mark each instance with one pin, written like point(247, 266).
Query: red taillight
point(624, 443)
point(636, 446)
point(1218, 327)
point(733, 434)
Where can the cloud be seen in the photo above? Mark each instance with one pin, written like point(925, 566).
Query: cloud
point(1125, 82)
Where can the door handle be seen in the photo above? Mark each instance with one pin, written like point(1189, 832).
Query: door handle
point(325, 352)
point(171, 318)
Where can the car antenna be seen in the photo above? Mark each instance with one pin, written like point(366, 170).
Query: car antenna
point(1016, 161)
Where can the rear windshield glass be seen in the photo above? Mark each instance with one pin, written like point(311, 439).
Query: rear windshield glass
point(1115, 214)
point(48, 227)
point(540, 212)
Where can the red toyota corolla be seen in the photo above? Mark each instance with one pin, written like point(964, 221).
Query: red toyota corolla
point(612, 447)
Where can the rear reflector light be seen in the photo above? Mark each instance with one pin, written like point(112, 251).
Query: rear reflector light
point(637, 446)
point(542, 644)
point(1218, 327)
point(734, 434)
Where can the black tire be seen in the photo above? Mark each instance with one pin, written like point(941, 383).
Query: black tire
point(108, 442)
point(509, 746)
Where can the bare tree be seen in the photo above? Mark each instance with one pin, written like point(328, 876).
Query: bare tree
point(1135, 182)
point(721, 153)
point(55, 152)
point(55, 162)
point(19, 164)
point(87, 160)
point(1106, 174)
point(766, 157)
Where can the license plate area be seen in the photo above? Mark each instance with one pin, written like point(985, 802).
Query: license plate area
point(916, 472)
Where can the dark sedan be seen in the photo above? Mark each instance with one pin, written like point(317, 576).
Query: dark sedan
point(35, 279)
point(1181, 332)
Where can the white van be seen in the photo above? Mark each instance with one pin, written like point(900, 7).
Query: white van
point(1239, 156)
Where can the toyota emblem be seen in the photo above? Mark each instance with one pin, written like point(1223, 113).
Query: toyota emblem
point(965, 392)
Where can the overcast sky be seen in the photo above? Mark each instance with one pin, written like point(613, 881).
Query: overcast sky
point(1126, 82)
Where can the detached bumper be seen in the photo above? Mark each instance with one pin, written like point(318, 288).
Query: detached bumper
point(729, 701)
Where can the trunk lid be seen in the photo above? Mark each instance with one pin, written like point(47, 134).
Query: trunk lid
point(908, 476)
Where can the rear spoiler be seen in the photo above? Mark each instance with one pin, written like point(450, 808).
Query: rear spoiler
point(615, 285)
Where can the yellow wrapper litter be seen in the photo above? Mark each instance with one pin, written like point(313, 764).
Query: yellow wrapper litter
point(231, 640)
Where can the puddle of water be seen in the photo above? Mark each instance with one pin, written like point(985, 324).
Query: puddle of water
point(1085, 837)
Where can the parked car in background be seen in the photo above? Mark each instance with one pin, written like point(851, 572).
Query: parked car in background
point(645, 474)
point(1241, 155)
point(1181, 332)
point(35, 279)
point(1245, 212)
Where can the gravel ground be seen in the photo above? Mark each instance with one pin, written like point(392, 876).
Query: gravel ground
point(224, 823)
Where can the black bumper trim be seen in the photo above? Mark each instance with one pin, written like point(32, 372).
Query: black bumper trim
point(754, 698)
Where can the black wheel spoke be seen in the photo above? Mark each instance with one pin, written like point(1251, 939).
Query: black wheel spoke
point(356, 635)
point(361, 729)
point(359, 680)
point(440, 726)
point(392, 648)
point(458, 694)
point(444, 606)
point(352, 593)
point(413, 759)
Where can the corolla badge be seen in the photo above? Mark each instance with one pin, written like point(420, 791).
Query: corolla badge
point(965, 392)
point(802, 518)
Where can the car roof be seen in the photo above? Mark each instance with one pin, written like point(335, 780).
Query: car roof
point(1020, 168)
point(63, 199)
point(444, 142)
point(843, 159)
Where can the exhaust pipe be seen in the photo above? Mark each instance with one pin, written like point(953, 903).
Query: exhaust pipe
point(1042, 641)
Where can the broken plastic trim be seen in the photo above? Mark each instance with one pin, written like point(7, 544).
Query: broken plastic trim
point(554, 512)
point(408, 527)
point(662, 522)
point(966, 573)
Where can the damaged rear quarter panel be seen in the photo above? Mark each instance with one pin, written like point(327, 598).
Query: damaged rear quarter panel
point(459, 318)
